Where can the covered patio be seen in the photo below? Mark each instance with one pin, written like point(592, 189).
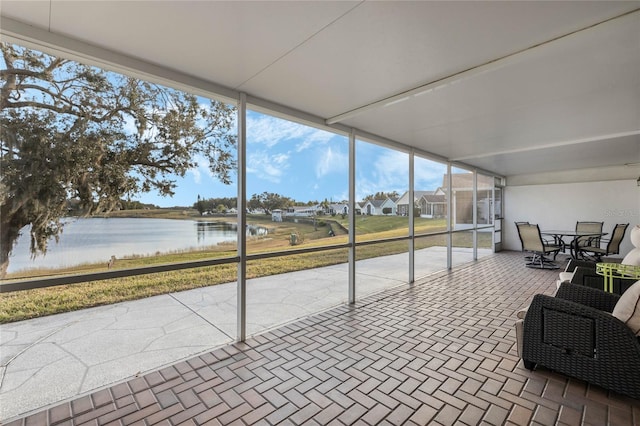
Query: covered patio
point(542, 98)
point(441, 351)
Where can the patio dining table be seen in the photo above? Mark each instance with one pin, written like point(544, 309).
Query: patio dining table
point(559, 234)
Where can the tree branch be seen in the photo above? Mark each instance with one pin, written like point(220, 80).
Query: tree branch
point(34, 104)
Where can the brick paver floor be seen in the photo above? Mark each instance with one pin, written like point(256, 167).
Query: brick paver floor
point(439, 352)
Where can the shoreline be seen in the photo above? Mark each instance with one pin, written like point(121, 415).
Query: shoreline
point(279, 231)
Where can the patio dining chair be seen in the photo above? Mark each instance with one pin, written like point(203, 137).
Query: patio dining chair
point(584, 272)
point(588, 227)
point(527, 257)
point(536, 247)
point(595, 253)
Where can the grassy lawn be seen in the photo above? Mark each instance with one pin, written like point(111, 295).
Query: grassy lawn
point(15, 306)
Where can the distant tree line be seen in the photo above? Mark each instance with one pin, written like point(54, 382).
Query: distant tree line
point(267, 201)
point(381, 196)
point(215, 205)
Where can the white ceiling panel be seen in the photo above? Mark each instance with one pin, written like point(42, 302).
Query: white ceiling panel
point(227, 42)
point(581, 87)
point(383, 48)
point(34, 13)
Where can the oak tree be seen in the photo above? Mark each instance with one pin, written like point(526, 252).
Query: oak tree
point(74, 132)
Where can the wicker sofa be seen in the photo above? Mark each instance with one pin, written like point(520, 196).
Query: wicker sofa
point(575, 334)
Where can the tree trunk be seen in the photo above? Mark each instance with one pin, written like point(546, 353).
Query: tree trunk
point(10, 225)
point(5, 250)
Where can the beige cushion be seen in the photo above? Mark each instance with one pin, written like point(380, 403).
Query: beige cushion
point(627, 309)
point(566, 276)
point(520, 329)
point(632, 258)
point(519, 325)
point(522, 313)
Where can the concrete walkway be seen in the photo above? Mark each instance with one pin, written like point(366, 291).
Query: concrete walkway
point(51, 359)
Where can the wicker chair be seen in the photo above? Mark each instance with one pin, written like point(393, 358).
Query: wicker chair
point(575, 334)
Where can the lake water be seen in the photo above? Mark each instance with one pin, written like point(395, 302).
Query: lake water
point(89, 240)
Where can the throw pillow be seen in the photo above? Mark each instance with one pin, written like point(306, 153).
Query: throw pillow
point(627, 308)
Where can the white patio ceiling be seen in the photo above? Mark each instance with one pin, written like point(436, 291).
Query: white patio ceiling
point(512, 87)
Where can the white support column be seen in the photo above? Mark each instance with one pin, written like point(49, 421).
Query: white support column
point(411, 219)
point(475, 215)
point(450, 216)
point(493, 216)
point(242, 217)
point(492, 213)
point(352, 217)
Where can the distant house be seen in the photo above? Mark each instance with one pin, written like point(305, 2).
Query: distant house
point(433, 204)
point(303, 211)
point(373, 207)
point(462, 197)
point(390, 205)
point(276, 215)
point(379, 207)
point(403, 202)
point(338, 208)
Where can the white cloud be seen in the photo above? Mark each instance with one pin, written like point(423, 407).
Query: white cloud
point(280, 159)
point(391, 171)
point(270, 131)
point(201, 170)
point(196, 174)
point(305, 144)
point(366, 187)
point(266, 166)
point(384, 171)
point(428, 175)
point(331, 161)
point(344, 195)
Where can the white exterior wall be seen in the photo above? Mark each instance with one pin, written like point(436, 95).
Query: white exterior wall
point(559, 206)
point(388, 203)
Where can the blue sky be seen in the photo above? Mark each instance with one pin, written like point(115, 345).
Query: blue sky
point(305, 163)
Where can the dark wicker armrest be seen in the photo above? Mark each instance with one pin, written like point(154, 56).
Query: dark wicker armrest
point(587, 276)
point(575, 263)
point(587, 296)
point(573, 328)
point(571, 307)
